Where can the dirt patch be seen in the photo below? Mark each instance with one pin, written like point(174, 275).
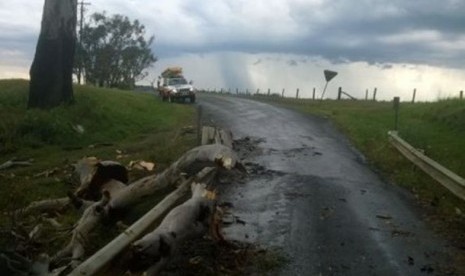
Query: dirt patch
point(206, 257)
point(247, 146)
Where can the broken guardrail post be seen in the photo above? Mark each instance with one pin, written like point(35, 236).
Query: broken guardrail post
point(339, 92)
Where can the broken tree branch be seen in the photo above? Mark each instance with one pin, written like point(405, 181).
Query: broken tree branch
point(105, 181)
point(187, 221)
point(45, 206)
point(96, 262)
point(190, 163)
point(94, 173)
point(89, 220)
point(214, 135)
point(13, 163)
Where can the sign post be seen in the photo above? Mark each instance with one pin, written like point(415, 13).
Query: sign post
point(329, 75)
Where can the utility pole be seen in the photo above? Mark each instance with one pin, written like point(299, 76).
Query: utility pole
point(81, 23)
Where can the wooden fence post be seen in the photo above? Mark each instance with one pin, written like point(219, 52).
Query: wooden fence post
point(374, 94)
point(282, 93)
point(461, 94)
point(199, 125)
point(414, 94)
point(313, 96)
point(269, 91)
point(366, 95)
point(297, 93)
point(396, 112)
point(339, 92)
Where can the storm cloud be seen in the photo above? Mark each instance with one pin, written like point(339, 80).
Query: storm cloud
point(420, 32)
point(234, 40)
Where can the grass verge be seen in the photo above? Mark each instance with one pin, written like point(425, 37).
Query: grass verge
point(106, 123)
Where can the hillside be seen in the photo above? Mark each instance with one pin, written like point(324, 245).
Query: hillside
point(106, 123)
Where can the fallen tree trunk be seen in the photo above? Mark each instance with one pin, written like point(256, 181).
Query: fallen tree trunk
point(119, 196)
point(12, 163)
point(105, 181)
point(187, 221)
point(214, 135)
point(190, 163)
point(96, 262)
point(89, 220)
point(45, 205)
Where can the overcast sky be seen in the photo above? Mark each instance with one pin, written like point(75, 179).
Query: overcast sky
point(393, 45)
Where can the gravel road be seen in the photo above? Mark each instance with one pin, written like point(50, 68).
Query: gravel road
point(312, 195)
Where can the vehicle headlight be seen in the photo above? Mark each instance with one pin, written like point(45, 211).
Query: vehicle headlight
point(174, 90)
point(191, 89)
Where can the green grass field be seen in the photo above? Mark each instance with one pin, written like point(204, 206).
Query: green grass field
point(117, 125)
point(436, 127)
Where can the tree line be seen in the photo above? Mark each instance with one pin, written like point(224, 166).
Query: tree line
point(113, 51)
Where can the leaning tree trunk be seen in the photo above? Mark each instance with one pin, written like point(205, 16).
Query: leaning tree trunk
point(52, 68)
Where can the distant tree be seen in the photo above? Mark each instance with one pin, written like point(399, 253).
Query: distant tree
point(51, 71)
point(114, 51)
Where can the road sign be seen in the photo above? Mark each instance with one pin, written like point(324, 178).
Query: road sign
point(329, 75)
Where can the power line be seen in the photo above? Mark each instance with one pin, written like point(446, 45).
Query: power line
point(82, 4)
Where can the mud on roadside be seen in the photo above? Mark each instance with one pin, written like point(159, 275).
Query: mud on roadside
point(207, 257)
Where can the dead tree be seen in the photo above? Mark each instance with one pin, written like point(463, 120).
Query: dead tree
point(51, 71)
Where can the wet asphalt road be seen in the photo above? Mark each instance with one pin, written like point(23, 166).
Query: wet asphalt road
point(312, 195)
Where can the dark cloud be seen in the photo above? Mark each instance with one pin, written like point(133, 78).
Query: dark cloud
point(258, 61)
point(342, 32)
point(292, 62)
point(377, 32)
point(386, 66)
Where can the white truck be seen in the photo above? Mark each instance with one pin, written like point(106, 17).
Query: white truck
point(172, 86)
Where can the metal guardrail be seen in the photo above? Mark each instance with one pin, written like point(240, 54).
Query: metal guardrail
point(447, 178)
